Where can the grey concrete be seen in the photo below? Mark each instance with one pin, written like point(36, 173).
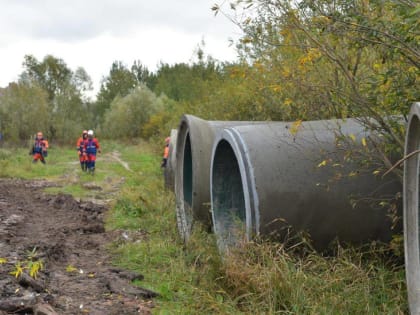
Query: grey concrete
point(411, 211)
point(266, 179)
point(192, 177)
point(170, 169)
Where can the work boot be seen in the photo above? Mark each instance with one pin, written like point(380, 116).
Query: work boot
point(43, 161)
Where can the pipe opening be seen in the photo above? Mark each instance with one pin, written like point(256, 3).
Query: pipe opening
point(187, 173)
point(228, 200)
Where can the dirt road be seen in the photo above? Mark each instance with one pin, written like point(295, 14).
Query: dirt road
point(69, 239)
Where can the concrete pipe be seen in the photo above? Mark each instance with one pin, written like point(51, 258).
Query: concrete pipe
point(266, 179)
point(192, 177)
point(169, 172)
point(411, 210)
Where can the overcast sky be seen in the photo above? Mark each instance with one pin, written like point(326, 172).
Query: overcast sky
point(94, 33)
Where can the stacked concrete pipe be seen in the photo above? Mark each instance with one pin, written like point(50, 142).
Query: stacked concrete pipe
point(270, 179)
point(169, 172)
point(411, 210)
point(192, 177)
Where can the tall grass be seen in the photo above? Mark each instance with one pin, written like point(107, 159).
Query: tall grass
point(254, 278)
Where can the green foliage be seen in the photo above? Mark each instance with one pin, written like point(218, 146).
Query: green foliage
point(120, 82)
point(128, 115)
point(23, 111)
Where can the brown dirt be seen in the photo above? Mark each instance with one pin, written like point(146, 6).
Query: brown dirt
point(65, 233)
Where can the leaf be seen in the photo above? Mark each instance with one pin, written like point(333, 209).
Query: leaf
point(323, 163)
point(3, 260)
point(295, 127)
point(376, 172)
point(71, 268)
point(364, 141)
point(18, 270)
point(352, 137)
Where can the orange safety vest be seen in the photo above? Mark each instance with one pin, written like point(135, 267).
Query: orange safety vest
point(166, 152)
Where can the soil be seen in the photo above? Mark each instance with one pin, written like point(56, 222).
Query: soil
point(69, 238)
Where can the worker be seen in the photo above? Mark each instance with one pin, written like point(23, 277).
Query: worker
point(165, 153)
point(91, 147)
point(80, 147)
point(39, 148)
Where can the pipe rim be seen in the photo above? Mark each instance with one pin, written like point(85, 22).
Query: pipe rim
point(184, 220)
point(235, 142)
point(411, 211)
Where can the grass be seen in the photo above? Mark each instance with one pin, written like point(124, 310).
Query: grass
point(256, 278)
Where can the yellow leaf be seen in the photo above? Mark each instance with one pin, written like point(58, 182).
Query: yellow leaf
point(323, 163)
point(91, 275)
point(351, 174)
point(71, 268)
point(376, 172)
point(288, 101)
point(364, 142)
point(295, 127)
point(18, 270)
point(3, 261)
point(352, 137)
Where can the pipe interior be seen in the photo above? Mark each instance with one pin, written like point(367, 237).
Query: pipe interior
point(187, 173)
point(228, 199)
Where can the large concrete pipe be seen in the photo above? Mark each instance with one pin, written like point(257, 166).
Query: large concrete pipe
point(411, 210)
point(169, 172)
point(192, 177)
point(269, 179)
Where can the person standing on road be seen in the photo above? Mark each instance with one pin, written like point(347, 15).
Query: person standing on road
point(91, 147)
point(39, 148)
point(80, 147)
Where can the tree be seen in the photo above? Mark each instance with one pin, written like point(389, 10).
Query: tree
point(119, 82)
point(127, 115)
point(52, 73)
point(24, 111)
point(336, 59)
point(65, 88)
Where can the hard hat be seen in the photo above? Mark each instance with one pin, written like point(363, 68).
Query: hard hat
point(84, 132)
point(90, 133)
point(167, 140)
point(39, 134)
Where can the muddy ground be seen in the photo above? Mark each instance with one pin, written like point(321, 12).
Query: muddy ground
point(68, 237)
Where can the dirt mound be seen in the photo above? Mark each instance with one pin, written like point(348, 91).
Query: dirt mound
point(61, 243)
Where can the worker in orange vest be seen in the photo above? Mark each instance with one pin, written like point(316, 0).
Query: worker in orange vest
point(80, 147)
point(39, 148)
point(165, 153)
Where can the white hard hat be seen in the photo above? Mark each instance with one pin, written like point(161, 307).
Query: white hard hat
point(90, 133)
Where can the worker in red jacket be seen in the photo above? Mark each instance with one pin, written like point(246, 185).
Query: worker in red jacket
point(92, 148)
point(39, 148)
point(80, 147)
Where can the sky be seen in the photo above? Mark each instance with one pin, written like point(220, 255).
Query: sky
point(94, 33)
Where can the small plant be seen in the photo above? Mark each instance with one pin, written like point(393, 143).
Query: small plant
point(35, 267)
point(31, 264)
point(18, 270)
